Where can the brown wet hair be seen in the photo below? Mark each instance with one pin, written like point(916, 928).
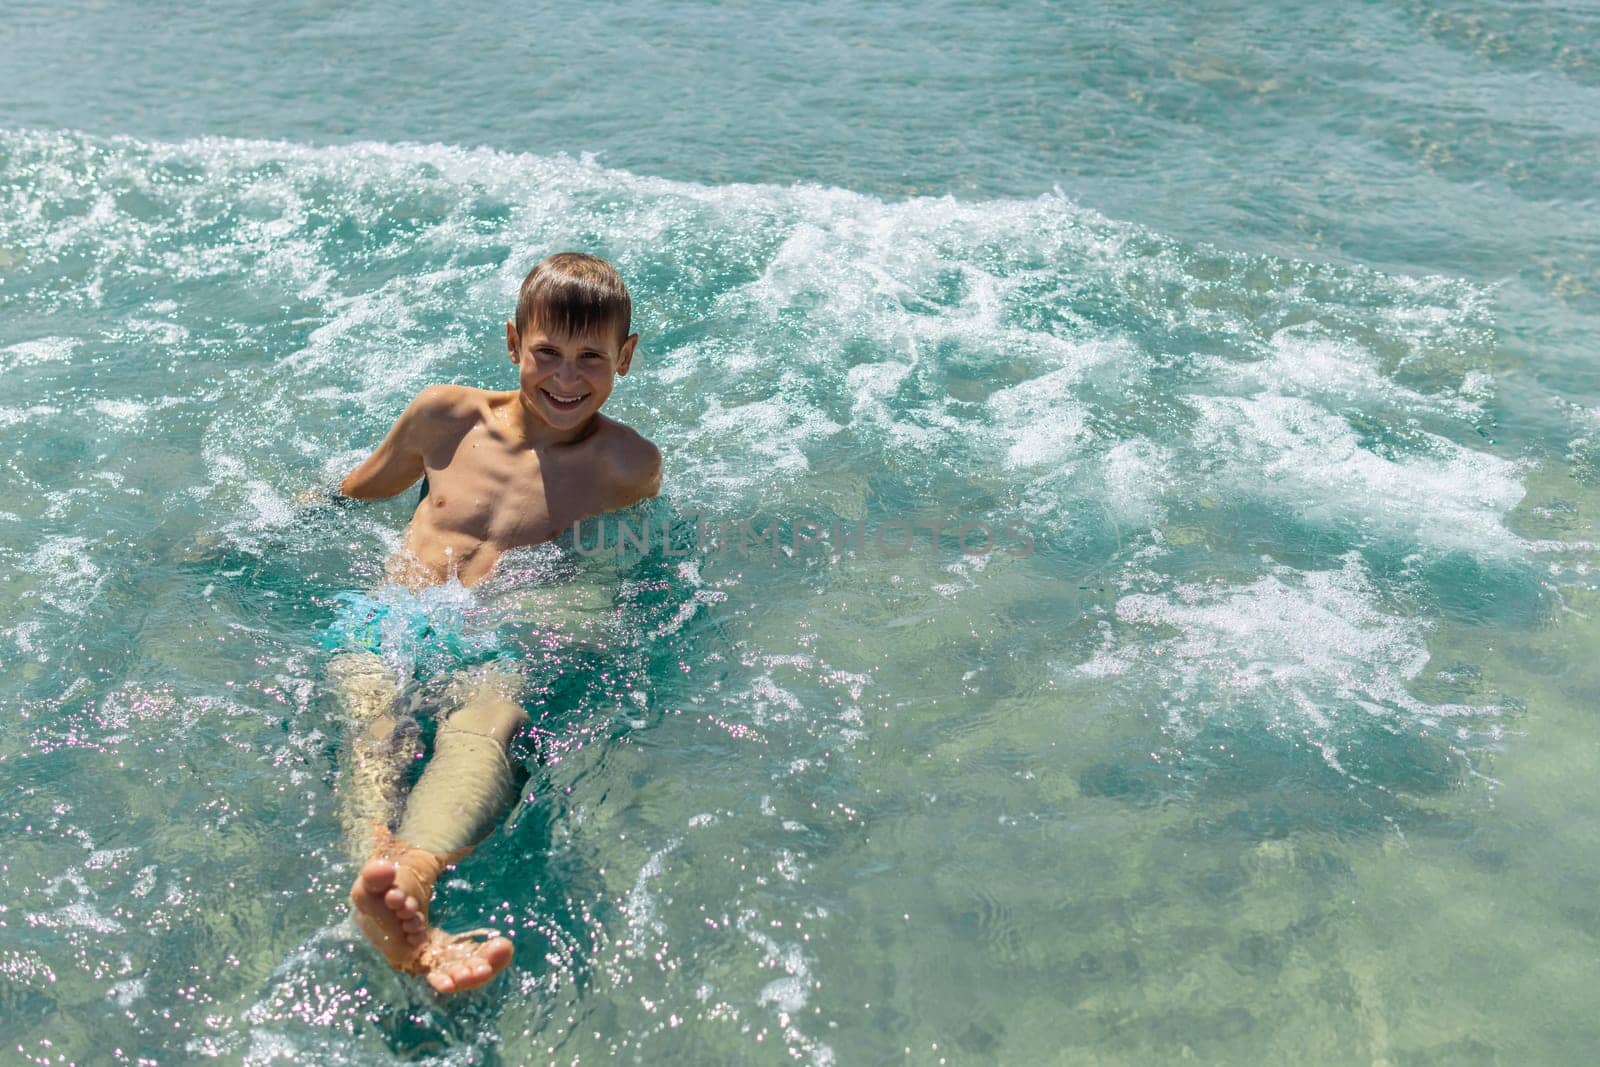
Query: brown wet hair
point(574, 292)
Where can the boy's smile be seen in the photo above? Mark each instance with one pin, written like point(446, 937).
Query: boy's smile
point(564, 378)
point(564, 403)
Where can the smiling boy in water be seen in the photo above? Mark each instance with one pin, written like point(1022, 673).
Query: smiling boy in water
point(500, 470)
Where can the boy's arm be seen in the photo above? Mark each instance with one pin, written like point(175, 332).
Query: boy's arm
point(396, 463)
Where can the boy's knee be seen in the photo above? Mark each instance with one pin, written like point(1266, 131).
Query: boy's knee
point(362, 684)
point(489, 713)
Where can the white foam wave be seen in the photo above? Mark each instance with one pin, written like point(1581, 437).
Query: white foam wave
point(1313, 651)
point(1337, 371)
point(32, 353)
point(1027, 345)
point(1289, 450)
point(68, 575)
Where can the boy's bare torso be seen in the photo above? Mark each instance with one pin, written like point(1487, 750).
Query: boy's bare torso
point(491, 490)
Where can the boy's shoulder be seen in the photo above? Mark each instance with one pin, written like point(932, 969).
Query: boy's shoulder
point(448, 409)
point(632, 459)
point(444, 401)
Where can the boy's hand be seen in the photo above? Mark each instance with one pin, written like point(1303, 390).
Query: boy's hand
point(321, 496)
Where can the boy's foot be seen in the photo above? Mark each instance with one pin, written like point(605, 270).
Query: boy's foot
point(390, 898)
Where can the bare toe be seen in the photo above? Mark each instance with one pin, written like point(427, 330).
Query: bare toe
point(387, 911)
point(376, 877)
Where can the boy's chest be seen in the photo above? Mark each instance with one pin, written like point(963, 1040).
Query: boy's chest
point(508, 497)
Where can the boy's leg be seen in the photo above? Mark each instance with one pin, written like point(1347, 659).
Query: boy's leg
point(470, 782)
point(461, 796)
point(376, 759)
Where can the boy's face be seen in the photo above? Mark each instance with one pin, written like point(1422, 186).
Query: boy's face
point(566, 377)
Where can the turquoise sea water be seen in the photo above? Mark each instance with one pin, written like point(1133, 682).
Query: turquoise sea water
point(1273, 325)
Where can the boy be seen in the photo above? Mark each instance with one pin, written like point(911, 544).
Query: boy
point(500, 470)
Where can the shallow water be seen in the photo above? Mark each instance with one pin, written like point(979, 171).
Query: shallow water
point(1267, 732)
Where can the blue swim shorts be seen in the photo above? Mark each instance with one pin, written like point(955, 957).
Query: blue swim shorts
point(411, 630)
